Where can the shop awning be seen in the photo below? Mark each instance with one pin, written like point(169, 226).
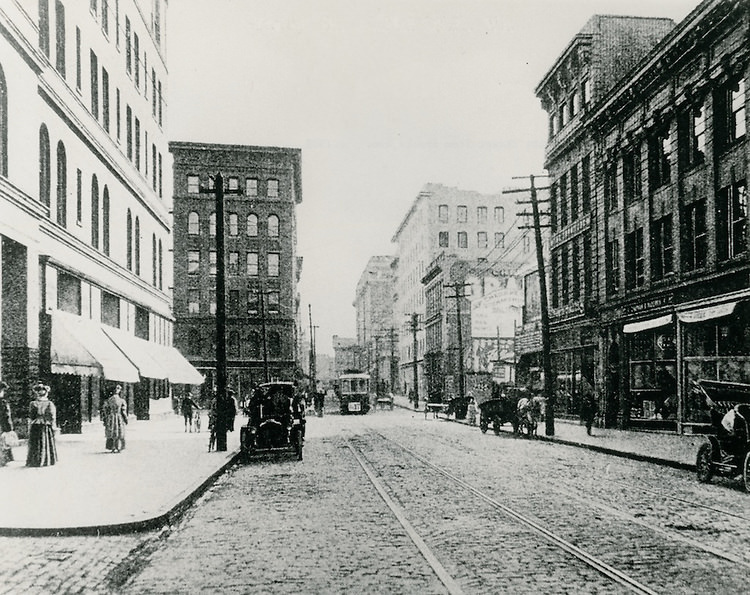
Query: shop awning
point(142, 353)
point(644, 325)
point(179, 370)
point(79, 346)
point(708, 313)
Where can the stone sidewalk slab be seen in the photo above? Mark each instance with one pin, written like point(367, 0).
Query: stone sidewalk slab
point(93, 491)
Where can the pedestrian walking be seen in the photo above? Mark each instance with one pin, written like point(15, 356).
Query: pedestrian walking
point(471, 412)
point(589, 406)
point(115, 419)
point(212, 424)
point(231, 409)
point(187, 407)
point(8, 436)
point(42, 450)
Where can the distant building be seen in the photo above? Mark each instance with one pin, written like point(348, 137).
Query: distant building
point(377, 331)
point(262, 190)
point(345, 355)
point(85, 222)
point(475, 228)
point(665, 143)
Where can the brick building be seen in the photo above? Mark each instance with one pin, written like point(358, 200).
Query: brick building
point(262, 189)
point(666, 226)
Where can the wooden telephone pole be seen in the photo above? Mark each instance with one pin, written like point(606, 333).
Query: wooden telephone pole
point(458, 295)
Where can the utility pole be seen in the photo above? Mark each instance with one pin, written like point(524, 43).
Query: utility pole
point(392, 367)
point(414, 327)
point(313, 371)
point(222, 414)
point(458, 289)
point(377, 365)
point(549, 395)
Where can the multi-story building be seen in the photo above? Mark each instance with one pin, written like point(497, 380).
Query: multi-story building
point(85, 219)
point(668, 222)
point(345, 355)
point(476, 227)
point(377, 333)
point(262, 187)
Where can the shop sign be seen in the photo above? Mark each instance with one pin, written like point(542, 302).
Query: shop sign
point(648, 305)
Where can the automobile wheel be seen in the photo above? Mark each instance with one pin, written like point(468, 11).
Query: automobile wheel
point(746, 472)
point(704, 463)
point(496, 423)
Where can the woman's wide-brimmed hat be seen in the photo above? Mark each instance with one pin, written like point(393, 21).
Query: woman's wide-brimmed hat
point(40, 387)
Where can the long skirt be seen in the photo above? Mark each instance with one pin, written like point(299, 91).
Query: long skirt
point(42, 450)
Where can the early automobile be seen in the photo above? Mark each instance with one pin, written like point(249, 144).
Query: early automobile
point(276, 420)
point(727, 451)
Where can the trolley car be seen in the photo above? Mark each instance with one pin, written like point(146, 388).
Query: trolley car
point(354, 393)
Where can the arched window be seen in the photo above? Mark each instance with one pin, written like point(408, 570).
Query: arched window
point(129, 242)
point(95, 212)
point(233, 224)
point(137, 242)
point(194, 224)
point(105, 220)
point(254, 345)
point(3, 125)
point(44, 166)
point(153, 259)
point(273, 226)
point(252, 224)
point(62, 185)
point(274, 345)
point(212, 225)
point(161, 265)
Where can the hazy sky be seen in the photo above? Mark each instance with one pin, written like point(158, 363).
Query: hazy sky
point(382, 96)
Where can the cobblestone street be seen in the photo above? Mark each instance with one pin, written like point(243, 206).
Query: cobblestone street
point(319, 526)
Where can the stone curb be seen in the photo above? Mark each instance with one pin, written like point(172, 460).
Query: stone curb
point(172, 513)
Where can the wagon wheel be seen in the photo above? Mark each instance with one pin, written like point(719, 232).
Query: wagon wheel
point(496, 423)
point(704, 463)
point(746, 472)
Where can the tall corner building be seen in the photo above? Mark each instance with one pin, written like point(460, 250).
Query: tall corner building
point(85, 220)
point(262, 188)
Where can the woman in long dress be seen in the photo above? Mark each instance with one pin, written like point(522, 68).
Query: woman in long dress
point(42, 420)
point(115, 419)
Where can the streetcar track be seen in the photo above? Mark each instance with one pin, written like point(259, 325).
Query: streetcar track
point(588, 559)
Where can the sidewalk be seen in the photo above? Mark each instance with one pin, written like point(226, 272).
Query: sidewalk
point(654, 447)
point(93, 491)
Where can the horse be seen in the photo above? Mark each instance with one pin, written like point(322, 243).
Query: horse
point(528, 414)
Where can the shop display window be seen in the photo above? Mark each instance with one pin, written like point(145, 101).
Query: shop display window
point(653, 373)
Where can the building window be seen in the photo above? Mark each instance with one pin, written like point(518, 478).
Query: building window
point(274, 302)
point(731, 221)
point(234, 226)
point(137, 242)
point(212, 263)
point(194, 227)
point(233, 301)
point(129, 241)
point(94, 85)
point(128, 50)
point(574, 205)
point(659, 149)
point(193, 184)
point(575, 265)
point(729, 113)
point(137, 144)
point(443, 241)
point(153, 93)
point(631, 175)
point(563, 199)
point(252, 264)
point(273, 189)
point(153, 166)
point(194, 261)
point(161, 265)
point(105, 99)
point(586, 93)
point(481, 239)
point(695, 247)
point(586, 184)
point(661, 247)
point(194, 301)
point(3, 125)
point(60, 38)
point(691, 137)
point(274, 345)
point(554, 210)
point(153, 259)
point(137, 60)
point(212, 225)
point(555, 291)
point(118, 114)
point(105, 221)
point(78, 59)
point(129, 132)
point(161, 195)
point(233, 184)
point(273, 226)
point(273, 264)
point(45, 173)
point(95, 212)
point(463, 239)
point(610, 185)
point(499, 215)
point(212, 302)
point(613, 267)
point(252, 225)
point(79, 196)
point(462, 214)
point(499, 239)
point(481, 214)
point(253, 307)
point(234, 264)
point(251, 187)
point(44, 26)
point(634, 259)
point(105, 17)
point(160, 106)
point(564, 275)
point(563, 114)
point(62, 185)
point(443, 213)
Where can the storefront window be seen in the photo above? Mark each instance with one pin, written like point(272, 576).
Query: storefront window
point(653, 373)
